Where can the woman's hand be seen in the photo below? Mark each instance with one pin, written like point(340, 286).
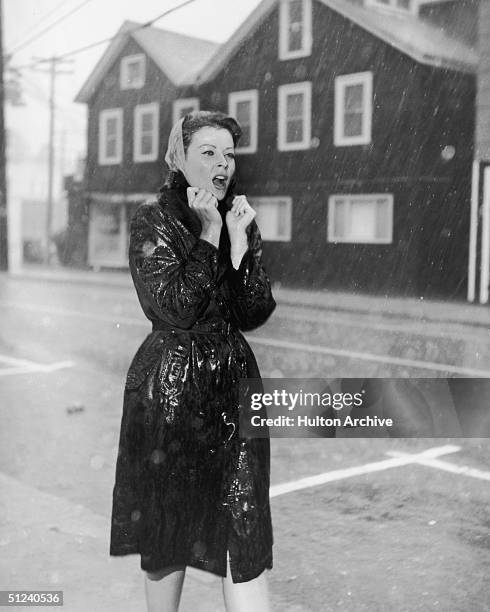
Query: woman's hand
point(237, 220)
point(206, 207)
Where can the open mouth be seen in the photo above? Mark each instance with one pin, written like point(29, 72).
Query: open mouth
point(219, 181)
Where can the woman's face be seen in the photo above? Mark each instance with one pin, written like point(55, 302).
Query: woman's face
point(210, 160)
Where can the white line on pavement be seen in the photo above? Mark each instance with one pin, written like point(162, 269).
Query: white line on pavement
point(412, 363)
point(444, 465)
point(367, 468)
point(273, 342)
point(24, 366)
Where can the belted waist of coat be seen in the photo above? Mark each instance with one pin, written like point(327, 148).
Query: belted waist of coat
point(205, 328)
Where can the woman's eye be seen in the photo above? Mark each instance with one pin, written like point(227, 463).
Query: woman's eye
point(231, 155)
point(210, 152)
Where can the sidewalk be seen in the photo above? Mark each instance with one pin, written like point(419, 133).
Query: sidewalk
point(462, 312)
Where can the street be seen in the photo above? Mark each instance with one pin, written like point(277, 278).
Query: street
point(400, 531)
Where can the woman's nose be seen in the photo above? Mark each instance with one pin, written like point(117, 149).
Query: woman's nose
point(223, 161)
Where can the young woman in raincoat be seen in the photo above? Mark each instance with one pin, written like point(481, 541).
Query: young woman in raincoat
point(189, 491)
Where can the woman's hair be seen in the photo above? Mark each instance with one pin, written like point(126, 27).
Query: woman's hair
point(198, 119)
point(192, 123)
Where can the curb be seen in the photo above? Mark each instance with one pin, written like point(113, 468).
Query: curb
point(463, 313)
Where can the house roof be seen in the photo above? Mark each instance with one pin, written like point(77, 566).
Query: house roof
point(414, 37)
point(178, 56)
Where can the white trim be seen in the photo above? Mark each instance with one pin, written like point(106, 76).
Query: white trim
point(139, 111)
point(341, 82)
point(475, 189)
point(252, 96)
point(368, 198)
point(268, 237)
point(283, 92)
point(485, 238)
point(306, 42)
point(104, 116)
point(181, 103)
point(123, 71)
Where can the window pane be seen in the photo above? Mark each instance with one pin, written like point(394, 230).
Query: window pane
point(133, 71)
point(340, 219)
point(110, 149)
point(246, 138)
point(111, 127)
point(353, 98)
point(295, 27)
point(294, 106)
point(362, 220)
point(243, 112)
point(294, 131)
point(146, 144)
point(352, 124)
point(147, 122)
point(404, 4)
point(282, 219)
point(382, 219)
point(184, 110)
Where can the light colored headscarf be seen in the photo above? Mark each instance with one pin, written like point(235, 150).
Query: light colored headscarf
point(175, 156)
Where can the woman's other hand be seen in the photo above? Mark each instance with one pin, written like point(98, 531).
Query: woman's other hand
point(237, 220)
point(205, 205)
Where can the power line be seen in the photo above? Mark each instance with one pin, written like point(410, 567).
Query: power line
point(49, 27)
point(111, 38)
point(41, 20)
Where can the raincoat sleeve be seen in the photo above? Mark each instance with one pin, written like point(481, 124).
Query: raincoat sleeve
point(177, 285)
point(250, 289)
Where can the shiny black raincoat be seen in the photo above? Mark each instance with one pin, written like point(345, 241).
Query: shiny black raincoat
point(187, 487)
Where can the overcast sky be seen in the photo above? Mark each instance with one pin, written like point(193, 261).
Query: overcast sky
point(95, 20)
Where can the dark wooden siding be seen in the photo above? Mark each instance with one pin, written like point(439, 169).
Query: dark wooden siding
point(483, 89)
point(417, 111)
point(129, 177)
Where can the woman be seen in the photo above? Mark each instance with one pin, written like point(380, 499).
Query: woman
point(189, 491)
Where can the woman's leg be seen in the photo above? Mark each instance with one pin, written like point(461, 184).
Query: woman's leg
point(251, 596)
point(164, 588)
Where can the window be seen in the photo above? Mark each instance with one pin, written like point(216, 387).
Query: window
point(295, 37)
point(363, 218)
point(110, 136)
point(145, 143)
point(353, 109)
point(132, 72)
point(294, 116)
point(183, 106)
point(273, 217)
point(407, 6)
point(243, 105)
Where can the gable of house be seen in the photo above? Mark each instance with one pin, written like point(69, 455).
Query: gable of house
point(178, 57)
point(418, 39)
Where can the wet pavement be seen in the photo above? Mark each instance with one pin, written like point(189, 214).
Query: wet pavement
point(357, 544)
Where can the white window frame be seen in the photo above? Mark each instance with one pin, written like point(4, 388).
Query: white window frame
point(284, 52)
point(257, 201)
point(368, 197)
point(282, 93)
point(123, 72)
point(139, 111)
point(104, 116)
point(181, 103)
point(341, 82)
point(252, 96)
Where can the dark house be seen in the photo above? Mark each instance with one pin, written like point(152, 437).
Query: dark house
point(130, 96)
point(359, 122)
point(358, 118)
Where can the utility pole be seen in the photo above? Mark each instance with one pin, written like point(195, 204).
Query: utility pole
point(3, 161)
point(53, 73)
